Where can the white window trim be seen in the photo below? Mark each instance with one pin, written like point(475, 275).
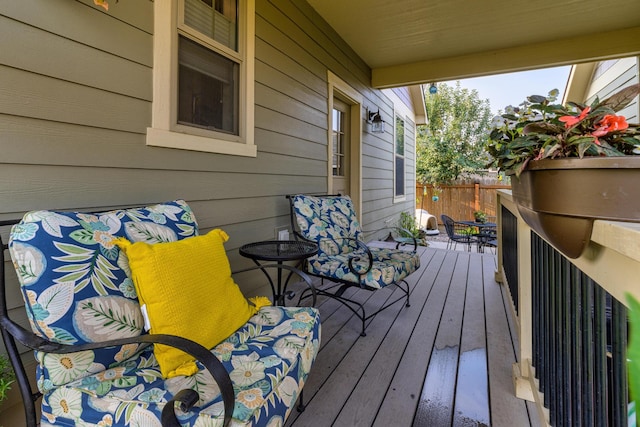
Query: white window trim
point(403, 197)
point(164, 130)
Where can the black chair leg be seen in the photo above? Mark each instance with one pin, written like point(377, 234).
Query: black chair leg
point(301, 406)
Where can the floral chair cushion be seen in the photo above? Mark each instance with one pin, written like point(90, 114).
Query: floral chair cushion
point(331, 222)
point(268, 360)
point(389, 266)
point(75, 282)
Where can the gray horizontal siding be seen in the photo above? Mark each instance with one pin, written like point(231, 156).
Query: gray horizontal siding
point(627, 78)
point(75, 104)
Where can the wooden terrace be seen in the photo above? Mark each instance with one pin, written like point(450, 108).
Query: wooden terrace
point(445, 360)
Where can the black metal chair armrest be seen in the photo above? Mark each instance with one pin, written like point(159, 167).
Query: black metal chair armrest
point(411, 237)
point(352, 259)
point(186, 398)
point(356, 257)
point(292, 270)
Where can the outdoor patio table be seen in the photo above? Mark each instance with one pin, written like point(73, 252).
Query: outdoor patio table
point(486, 232)
point(278, 251)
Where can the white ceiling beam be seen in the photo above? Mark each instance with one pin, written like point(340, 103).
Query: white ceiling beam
point(584, 48)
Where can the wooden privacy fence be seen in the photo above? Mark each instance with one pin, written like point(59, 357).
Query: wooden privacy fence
point(459, 201)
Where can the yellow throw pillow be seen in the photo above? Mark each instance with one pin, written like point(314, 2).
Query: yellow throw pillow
point(186, 289)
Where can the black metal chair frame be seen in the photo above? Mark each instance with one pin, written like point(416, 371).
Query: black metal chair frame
point(13, 333)
point(487, 239)
point(355, 307)
point(452, 227)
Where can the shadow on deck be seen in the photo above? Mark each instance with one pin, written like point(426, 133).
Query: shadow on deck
point(444, 361)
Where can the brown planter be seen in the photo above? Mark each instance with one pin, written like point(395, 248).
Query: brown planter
point(559, 199)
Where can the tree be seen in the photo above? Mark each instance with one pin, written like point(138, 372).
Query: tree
point(451, 144)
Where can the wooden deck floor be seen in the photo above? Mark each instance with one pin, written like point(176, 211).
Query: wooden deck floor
point(444, 361)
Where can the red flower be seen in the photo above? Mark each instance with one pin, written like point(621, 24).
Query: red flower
point(610, 123)
point(570, 121)
point(101, 3)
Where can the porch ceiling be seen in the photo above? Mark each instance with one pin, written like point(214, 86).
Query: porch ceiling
point(407, 42)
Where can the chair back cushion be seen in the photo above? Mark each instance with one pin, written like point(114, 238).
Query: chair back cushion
point(329, 221)
point(75, 282)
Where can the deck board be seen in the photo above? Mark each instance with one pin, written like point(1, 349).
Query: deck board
point(506, 409)
point(398, 407)
point(438, 394)
point(445, 360)
point(472, 391)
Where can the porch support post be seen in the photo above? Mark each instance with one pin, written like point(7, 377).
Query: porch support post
point(523, 378)
point(522, 374)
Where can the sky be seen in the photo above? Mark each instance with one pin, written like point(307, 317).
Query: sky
point(512, 88)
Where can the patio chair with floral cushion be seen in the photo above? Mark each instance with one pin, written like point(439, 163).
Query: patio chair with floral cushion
point(93, 284)
point(343, 258)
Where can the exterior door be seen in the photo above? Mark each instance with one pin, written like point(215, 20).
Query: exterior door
point(341, 141)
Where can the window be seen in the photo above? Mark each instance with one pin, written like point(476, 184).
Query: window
point(338, 143)
point(399, 175)
point(203, 76)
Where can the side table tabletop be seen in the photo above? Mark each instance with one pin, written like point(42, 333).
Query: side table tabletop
point(278, 251)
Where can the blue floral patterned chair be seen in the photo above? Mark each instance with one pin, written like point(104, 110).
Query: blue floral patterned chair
point(343, 258)
point(96, 364)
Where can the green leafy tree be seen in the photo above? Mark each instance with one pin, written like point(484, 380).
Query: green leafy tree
point(451, 144)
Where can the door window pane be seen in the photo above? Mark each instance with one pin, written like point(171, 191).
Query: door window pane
point(338, 143)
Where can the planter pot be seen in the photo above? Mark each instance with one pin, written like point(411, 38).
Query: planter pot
point(559, 199)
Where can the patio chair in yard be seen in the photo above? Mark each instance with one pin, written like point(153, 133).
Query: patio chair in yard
point(343, 258)
point(94, 284)
point(487, 238)
point(458, 233)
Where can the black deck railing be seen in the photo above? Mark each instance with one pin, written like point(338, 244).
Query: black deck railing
point(510, 253)
point(579, 343)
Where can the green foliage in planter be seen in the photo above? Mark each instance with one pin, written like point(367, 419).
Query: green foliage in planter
point(480, 216)
point(541, 129)
point(7, 376)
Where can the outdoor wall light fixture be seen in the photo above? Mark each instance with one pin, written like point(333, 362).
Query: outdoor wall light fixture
point(433, 89)
point(376, 122)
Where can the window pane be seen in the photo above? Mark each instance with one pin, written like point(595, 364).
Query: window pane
point(399, 176)
point(399, 136)
point(337, 116)
point(216, 19)
point(338, 143)
point(207, 88)
point(338, 165)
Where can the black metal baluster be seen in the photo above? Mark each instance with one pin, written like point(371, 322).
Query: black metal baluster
point(567, 341)
point(600, 357)
point(553, 352)
point(546, 329)
point(559, 332)
point(535, 304)
point(619, 385)
point(588, 345)
point(576, 344)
